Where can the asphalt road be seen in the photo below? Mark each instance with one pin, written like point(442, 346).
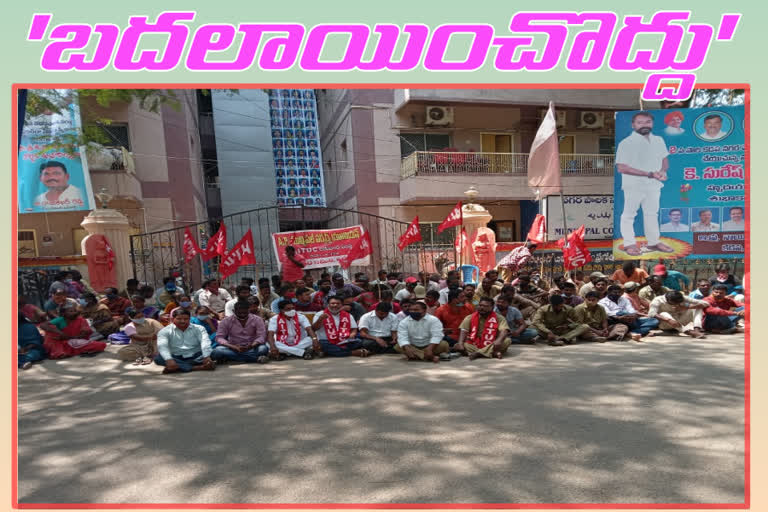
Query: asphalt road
point(655, 422)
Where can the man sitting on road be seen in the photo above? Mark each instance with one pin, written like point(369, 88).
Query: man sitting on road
point(554, 323)
point(704, 289)
point(183, 347)
point(488, 288)
point(530, 291)
point(378, 329)
point(452, 314)
point(289, 332)
point(241, 337)
point(242, 292)
point(214, 298)
point(629, 272)
point(420, 336)
point(620, 311)
point(525, 305)
point(588, 287)
point(570, 296)
point(655, 288)
point(723, 314)
point(519, 332)
point(593, 314)
point(484, 333)
point(337, 331)
point(675, 312)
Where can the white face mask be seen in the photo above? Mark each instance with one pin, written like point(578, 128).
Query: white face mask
point(139, 320)
point(291, 313)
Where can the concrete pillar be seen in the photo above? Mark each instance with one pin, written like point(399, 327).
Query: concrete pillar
point(475, 216)
point(115, 226)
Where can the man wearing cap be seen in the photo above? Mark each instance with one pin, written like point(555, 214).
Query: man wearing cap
point(554, 322)
point(639, 304)
point(641, 159)
point(655, 288)
point(675, 312)
point(588, 287)
point(409, 291)
point(671, 278)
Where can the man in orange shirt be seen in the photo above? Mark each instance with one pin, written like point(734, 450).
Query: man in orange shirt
point(452, 314)
point(630, 272)
point(293, 268)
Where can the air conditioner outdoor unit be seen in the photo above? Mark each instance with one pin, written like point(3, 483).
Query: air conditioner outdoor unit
point(439, 116)
point(592, 119)
point(560, 117)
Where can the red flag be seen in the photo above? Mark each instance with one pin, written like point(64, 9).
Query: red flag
point(241, 254)
point(455, 218)
point(217, 244)
point(538, 228)
point(361, 249)
point(110, 254)
point(191, 249)
point(544, 159)
point(575, 252)
point(411, 235)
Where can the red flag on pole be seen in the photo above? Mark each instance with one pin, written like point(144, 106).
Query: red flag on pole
point(544, 159)
point(361, 249)
point(538, 229)
point(575, 252)
point(217, 244)
point(455, 218)
point(411, 235)
point(241, 254)
point(110, 254)
point(191, 249)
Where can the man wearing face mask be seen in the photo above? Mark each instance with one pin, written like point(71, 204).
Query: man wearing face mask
point(621, 311)
point(452, 314)
point(241, 337)
point(287, 292)
point(143, 334)
point(242, 292)
point(166, 293)
point(337, 331)
point(420, 336)
point(116, 304)
point(484, 333)
point(290, 333)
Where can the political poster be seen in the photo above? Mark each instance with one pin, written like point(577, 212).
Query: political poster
point(52, 170)
point(680, 184)
point(320, 247)
point(296, 147)
point(594, 212)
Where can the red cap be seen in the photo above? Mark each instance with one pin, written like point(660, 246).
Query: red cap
point(411, 280)
point(659, 270)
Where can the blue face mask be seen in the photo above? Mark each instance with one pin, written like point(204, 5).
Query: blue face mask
point(185, 304)
point(139, 320)
point(170, 287)
point(83, 302)
point(202, 317)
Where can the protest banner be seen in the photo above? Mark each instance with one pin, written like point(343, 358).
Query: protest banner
point(320, 247)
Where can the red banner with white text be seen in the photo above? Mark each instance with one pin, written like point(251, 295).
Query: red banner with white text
point(320, 247)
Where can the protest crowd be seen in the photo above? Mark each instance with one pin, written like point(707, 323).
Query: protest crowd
point(421, 317)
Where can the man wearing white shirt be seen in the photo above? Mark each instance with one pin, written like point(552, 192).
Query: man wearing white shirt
point(641, 159)
point(409, 291)
point(213, 297)
point(705, 222)
point(337, 331)
point(678, 313)
point(242, 292)
point(183, 347)
point(712, 128)
point(420, 336)
point(736, 222)
point(620, 310)
point(674, 225)
point(60, 193)
point(289, 332)
point(378, 329)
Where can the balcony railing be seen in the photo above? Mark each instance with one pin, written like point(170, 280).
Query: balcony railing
point(436, 163)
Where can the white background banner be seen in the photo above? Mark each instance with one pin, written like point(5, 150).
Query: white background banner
point(595, 212)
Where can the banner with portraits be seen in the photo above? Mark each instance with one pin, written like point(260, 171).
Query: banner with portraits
point(680, 184)
point(52, 169)
point(296, 147)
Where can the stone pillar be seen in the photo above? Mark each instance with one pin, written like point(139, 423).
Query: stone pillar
point(475, 216)
point(115, 226)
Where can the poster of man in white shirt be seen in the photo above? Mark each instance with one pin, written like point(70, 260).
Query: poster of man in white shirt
point(641, 159)
point(677, 220)
point(736, 220)
point(713, 128)
point(708, 220)
point(60, 193)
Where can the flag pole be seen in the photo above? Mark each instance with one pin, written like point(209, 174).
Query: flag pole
point(542, 207)
point(565, 228)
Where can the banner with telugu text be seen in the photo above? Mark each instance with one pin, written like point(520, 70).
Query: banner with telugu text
point(694, 208)
point(320, 247)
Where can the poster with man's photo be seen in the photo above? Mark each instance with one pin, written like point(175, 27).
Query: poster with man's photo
point(52, 171)
point(679, 188)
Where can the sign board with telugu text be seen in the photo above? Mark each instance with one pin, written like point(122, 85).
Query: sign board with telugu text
point(321, 248)
point(595, 212)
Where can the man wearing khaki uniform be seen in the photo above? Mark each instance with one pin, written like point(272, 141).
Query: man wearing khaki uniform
point(555, 323)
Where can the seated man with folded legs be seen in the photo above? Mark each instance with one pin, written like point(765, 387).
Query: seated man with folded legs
point(290, 333)
point(724, 313)
point(241, 337)
point(555, 324)
point(519, 332)
point(484, 332)
point(675, 312)
point(183, 347)
point(621, 312)
point(337, 331)
point(593, 314)
point(378, 329)
point(420, 336)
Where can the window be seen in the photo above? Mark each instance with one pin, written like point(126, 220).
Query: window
point(410, 142)
point(429, 234)
point(27, 247)
point(607, 146)
point(506, 231)
point(117, 135)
